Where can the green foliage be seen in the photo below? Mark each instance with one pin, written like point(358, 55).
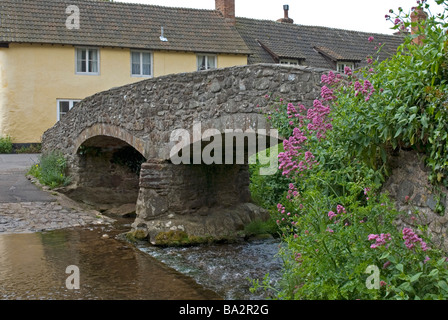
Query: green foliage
point(51, 170)
point(5, 144)
point(258, 227)
point(266, 190)
point(408, 108)
point(333, 213)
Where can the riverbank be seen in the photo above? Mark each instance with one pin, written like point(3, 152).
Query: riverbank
point(26, 206)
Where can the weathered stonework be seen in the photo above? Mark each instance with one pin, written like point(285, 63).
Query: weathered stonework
point(201, 199)
point(419, 201)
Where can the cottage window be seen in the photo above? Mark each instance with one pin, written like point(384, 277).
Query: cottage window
point(289, 61)
point(342, 64)
point(141, 64)
point(64, 106)
point(87, 61)
point(206, 62)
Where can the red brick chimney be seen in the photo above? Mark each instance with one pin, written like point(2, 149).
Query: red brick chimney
point(418, 17)
point(227, 8)
point(286, 18)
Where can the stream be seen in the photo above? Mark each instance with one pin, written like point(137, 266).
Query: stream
point(33, 267)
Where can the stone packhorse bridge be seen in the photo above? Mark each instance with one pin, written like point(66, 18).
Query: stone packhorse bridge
point(117, 145)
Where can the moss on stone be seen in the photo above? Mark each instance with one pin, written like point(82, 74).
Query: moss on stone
point(180, 238)
point(136, 235)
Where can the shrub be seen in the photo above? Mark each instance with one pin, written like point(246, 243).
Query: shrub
point(51, 170)
point(5, 144)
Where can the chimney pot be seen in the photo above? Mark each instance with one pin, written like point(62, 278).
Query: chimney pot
point(286, 18)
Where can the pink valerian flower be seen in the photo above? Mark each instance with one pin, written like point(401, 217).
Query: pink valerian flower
point(327, 94)
point(331, 215)
point(340, 209)
point(329, 230)
point(370, 39)
point(426, 259)
point(330, 79)
point(289, 159)
point(348, 71)
point(386, 264)
point(411, 238)
point(380, 239)
point(318, 119)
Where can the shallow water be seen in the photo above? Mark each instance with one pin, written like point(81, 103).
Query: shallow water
point(225, 268)
point(33, 266)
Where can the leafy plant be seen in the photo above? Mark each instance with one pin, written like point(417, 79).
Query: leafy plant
point(51, 170)
point(5, 144)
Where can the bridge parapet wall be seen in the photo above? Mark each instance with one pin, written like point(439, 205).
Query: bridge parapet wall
point(146, 112)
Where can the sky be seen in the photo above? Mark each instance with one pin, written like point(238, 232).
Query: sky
point(360, 15)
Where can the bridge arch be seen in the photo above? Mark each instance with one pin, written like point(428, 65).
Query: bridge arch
point(107, 164)
point(107, 130)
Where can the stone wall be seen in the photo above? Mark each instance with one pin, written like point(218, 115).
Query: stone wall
point(418, 200)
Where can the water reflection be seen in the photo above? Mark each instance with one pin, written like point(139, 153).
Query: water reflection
point(32, 266)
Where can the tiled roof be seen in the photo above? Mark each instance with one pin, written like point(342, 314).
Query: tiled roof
point(114, 24)
point(316, 44)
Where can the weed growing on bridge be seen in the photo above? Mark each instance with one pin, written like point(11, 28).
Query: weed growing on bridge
point(335, 222)
point(51, 170)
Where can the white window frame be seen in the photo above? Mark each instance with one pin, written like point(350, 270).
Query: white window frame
point(87, 59)
point(71, 105)
point(294, 62)
point(340, 65)
point(141, 64)
point(207, 56)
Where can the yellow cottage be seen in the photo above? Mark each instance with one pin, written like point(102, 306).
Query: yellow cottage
point(54, 53)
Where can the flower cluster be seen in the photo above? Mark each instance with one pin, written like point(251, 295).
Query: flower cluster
point(380, 239)
point(339, 209)
point(292, 192)
point(327, 94)
point(331, 78)
point(318, 119)
point(289, 158)
point(365, 89)
point(294, 158)
point(411, 238)
point(292, 112)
